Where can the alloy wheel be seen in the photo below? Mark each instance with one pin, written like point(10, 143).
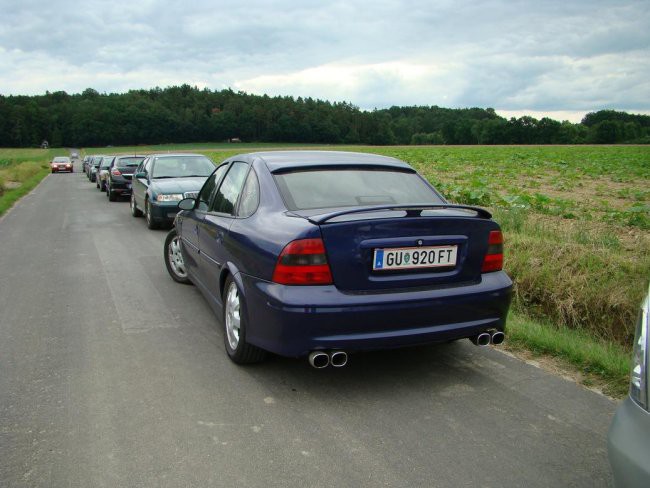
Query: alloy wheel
point(176, 258)
point(232, 315)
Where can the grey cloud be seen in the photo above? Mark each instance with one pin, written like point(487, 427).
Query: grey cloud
point(519, 54)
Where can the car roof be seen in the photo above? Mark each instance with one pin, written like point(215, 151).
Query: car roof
point(284, 160)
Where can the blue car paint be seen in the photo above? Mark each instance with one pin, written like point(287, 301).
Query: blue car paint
point(390, 311)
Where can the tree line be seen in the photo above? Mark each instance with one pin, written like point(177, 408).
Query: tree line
point(184, 113)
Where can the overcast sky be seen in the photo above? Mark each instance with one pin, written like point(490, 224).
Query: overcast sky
point(561, 58)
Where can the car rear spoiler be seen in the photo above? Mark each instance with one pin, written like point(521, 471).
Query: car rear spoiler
point(411, 211)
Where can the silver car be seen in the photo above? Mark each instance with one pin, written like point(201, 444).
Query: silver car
point(628, 441)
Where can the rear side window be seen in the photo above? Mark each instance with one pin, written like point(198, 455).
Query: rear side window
point(250, 196)
point(331, 188)
point(226, 197)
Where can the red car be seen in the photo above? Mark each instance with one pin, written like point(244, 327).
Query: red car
point(61, 163)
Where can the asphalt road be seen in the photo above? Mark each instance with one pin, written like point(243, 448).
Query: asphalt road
point(112, 375)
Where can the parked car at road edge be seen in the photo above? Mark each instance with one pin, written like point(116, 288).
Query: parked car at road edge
point(628, 441)
point(322, 253)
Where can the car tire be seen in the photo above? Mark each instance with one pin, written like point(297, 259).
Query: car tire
point(174, 258)
point(234, 327)
point(135, 211)
point(151, 223)
point(112, 196)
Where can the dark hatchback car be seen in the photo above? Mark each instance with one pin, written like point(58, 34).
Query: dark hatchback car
point(325, 253)
point(163, 180)
point(118, 180)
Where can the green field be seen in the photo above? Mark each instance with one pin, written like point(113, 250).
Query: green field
point(577, 227)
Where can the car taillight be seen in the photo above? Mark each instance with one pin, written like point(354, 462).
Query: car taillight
point(303, 262)
point(116, 172)
point(494, 257)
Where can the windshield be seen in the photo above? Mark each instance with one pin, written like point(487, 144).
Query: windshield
point(106, 163)
point(61, 159)
point(331, 188)
point(182, 166)
point(128, 162)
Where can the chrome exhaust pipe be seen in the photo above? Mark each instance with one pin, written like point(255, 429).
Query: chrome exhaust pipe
point(498, 337)
point(482, 339)
point(338, 359)
point(319, 359)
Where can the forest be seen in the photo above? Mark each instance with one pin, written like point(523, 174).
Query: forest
point(180, 114)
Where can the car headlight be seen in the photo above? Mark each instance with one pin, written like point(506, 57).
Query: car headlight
point(639, 376)
point(170, 197)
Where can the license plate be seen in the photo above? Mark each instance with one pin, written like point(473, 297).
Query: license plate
point(415, 257)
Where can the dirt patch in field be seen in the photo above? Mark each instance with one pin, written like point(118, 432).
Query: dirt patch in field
point(12, 185)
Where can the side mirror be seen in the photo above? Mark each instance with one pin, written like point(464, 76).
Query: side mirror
point(140, 175)
point(187, 204)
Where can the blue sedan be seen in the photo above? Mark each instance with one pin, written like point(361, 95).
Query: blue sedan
point(322, 253)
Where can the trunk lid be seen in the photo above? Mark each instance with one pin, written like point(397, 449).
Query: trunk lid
point(383, 249)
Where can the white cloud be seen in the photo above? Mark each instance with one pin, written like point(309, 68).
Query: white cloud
point(512, 55)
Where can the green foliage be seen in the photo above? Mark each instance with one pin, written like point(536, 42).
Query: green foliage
point(187, 114)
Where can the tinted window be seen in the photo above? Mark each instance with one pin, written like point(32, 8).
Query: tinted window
point(250, 196)
point(128, 162)
point(331, 188)
point(209, 186)
point(182, 166)
point(147, 166)
point(224, 201)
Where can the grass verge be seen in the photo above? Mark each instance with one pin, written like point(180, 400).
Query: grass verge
point(598, 363)
point(10, 196)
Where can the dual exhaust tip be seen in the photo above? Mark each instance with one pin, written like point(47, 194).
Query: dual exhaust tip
point(323, 359)
point(338, 359)
point(495, 337)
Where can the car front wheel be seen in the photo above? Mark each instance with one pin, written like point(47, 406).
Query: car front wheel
point(234, 323)
point(151, 223)
point(174, 258)
point(135, 211)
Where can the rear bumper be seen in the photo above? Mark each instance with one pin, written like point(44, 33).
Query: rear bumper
point(122, 187)
point(627, 445)
point(293, 320)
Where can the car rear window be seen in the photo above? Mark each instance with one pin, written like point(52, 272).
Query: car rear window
point(127, 162)
point(331, 188)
